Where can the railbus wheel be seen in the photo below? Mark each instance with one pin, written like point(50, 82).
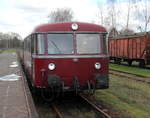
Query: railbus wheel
point(48, 94)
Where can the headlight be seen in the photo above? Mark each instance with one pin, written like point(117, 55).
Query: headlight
point(74, 26)
point(51, 66)
point(97, 66)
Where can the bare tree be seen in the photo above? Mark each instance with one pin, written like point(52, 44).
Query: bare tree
point(126, 31)
point(130, 4)
point(113, 32)
point(100, 14)
point(61, 15)
point(146, 15)
point(112, 12)
point(109, 18)
point(143, 13)
point(10, 40)
point(104, 19)
point(128, 13)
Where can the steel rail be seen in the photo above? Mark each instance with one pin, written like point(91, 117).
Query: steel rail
point(129, 73)
point(135, 77)
point(95, 106)
point(59, 114)
point(134, 66)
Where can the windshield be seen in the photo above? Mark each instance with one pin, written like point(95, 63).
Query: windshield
point(60, 43)
point(88, 43)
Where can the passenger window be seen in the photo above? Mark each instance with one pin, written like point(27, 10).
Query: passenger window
point(32, 44)
point(41, 44)
point(29, 44)
point(105, 43)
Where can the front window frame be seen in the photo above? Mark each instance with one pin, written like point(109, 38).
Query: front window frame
point(101, 35)
point(74, 34)
point(88, 33)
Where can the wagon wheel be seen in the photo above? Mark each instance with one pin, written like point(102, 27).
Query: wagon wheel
point(117, 61)
point(142, 64)
point(129, 62)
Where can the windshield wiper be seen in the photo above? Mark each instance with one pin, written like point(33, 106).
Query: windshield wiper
point(56, 46)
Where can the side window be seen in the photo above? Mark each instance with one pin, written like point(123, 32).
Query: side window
point(41, 44)
point(25, 44)
point(105, 43)
point(33, 44)
point(28, 44)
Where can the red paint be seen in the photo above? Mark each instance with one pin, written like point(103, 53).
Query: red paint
point(67, 69)
point(130, 47)
point(66, 27)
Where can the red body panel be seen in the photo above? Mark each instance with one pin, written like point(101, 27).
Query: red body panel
point(66, 27)
point(67, 69)
point(130, 47)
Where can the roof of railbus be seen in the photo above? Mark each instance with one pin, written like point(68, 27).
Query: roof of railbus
point(66, 27)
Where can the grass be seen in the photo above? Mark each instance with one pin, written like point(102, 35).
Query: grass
point(128, 97)
point(10, 50)
point(134, 70)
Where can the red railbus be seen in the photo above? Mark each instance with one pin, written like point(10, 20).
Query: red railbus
point(69, 56)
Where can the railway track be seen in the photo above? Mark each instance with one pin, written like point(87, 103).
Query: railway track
point(140, 78)
point(65, 108)
point(57, 111)
point(81, 98)
point(95, 106)
point(136, 65)
point(79, 107)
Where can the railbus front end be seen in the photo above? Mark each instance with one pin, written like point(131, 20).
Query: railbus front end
point(72, 58)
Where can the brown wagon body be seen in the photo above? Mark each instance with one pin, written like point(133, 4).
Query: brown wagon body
point(130, 48)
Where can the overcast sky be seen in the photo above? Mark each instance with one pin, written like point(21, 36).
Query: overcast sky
point(22, 16)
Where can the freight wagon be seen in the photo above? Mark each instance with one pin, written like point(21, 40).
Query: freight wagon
point(130, 48)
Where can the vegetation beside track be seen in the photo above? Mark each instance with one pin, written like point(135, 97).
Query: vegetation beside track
point(127, 98)
point(134, 70)
point(10, 50)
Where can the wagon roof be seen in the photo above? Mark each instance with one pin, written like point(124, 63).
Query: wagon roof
point(131, 36)
point(66, 27)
